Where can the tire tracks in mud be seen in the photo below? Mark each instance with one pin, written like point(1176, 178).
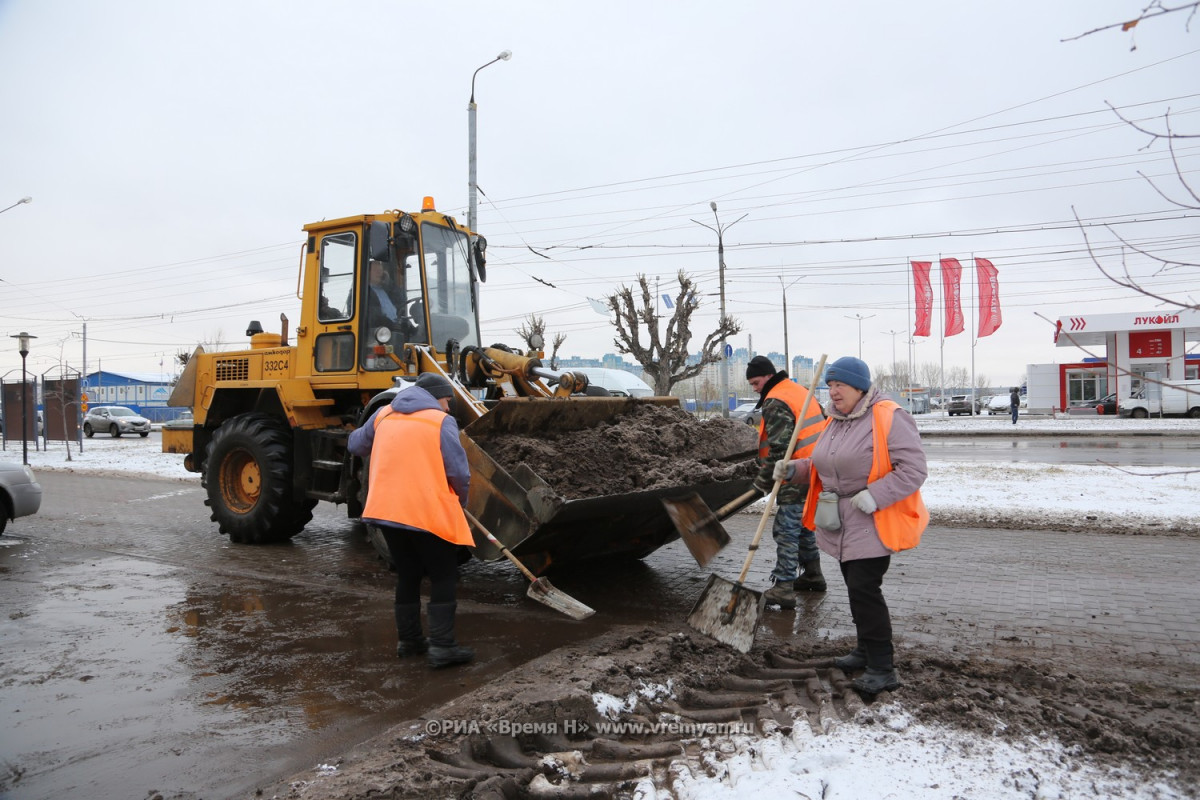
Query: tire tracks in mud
point(686, 709)
point(662, 749)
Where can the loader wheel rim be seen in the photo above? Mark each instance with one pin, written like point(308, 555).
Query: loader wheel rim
point(241, 481)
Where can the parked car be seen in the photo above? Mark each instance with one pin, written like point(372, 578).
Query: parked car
point(116, 420)
point(747, 412)
point(959, 405)
point(183, 422)
point(20, 493)
point(1105, 405)
point(996, 404)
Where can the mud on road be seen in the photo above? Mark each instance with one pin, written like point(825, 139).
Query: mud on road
point(685, 705)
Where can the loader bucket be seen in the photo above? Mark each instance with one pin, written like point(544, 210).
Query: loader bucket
point(536, 522)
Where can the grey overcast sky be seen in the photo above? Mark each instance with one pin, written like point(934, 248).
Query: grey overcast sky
point(174, 150)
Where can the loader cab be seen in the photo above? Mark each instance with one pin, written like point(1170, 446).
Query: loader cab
point(392, 280)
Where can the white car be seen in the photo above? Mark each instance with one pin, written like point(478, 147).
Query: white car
point(997, 404)
point(20, 493)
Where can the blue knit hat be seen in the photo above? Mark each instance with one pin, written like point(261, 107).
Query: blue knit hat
point(850, 371)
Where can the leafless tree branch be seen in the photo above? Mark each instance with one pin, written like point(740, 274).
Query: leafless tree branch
point(1148, 474)
point(1155, 9)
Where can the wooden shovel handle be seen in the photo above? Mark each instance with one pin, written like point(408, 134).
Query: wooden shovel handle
point(762, 523)
point(734, 504)
point(503, 549)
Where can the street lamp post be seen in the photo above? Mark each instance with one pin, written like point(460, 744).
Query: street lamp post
point(22, 201)
point(505, 55)
point(860, 319)
point(720, 232)
point(787, 356)
point(23, 343)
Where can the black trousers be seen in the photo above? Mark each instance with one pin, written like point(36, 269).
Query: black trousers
point(418, 553)
point(864, 582)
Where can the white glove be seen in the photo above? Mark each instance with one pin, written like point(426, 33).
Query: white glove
point(784, 470)
point(864, 502)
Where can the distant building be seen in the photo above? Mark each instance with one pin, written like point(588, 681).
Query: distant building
point(144, 392)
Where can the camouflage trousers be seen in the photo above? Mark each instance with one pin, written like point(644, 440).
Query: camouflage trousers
point(794, 543)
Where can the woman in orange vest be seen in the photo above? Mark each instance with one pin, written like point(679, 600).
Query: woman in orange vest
point(418, 488)
point(864, 503)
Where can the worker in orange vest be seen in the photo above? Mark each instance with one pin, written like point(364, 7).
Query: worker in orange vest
point(864, 502)
point(419, 479)
point(797, 559)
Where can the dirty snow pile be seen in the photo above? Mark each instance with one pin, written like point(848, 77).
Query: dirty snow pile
point(886, 754)
point(889, 755)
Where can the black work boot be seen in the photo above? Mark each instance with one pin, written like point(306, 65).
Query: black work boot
point(443, 650)
point(855, 659)
point(880, 675)
point(408, 630)
point(811, 580)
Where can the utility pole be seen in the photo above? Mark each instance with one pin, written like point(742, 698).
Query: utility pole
point(720, 232)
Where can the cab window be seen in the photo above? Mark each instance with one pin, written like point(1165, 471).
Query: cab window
point(337, 277)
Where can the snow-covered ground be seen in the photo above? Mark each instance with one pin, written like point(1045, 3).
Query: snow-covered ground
point(892, 756)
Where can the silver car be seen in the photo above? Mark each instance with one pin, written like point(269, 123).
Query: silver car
point(116, 420)
point(20, 493)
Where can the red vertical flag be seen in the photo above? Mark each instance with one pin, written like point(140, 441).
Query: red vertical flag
point(951, 276)
point(923, 291)
point(989, 297)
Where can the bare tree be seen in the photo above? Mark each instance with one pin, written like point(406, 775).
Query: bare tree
point(663, 354)
point(958, 377)
point(533, 332)
point(559, 338)
point(1161, 266)
point(930, 373)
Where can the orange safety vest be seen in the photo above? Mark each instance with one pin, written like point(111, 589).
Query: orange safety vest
point(408, 478)
point(901, 524)
point(793, 394)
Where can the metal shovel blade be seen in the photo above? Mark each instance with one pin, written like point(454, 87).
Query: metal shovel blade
point(544, 592)
point(699, 528)
point(728, 612)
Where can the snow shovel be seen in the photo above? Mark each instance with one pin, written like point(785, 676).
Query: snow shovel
point(540, 589)
point(699, 527)
point(727, 611)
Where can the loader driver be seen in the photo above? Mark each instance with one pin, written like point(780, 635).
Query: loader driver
point(797, 559)
point(418, 488)
point(385, 301)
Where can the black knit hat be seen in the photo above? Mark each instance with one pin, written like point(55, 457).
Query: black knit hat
point(436, 385)
point(760, 366)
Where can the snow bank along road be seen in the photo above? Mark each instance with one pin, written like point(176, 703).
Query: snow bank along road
point(966, 494)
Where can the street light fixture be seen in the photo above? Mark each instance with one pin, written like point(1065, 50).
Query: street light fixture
point(22, 201)
point(505, 55)
point(23, 345)
point(860, 319)
point(720, 232)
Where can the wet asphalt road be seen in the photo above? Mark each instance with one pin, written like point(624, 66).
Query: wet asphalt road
point(1125, 451)
point(140, 651)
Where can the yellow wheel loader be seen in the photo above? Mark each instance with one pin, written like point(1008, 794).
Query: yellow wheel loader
point(384, 298)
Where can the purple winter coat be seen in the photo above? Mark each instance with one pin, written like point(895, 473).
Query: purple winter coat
point(842, 458)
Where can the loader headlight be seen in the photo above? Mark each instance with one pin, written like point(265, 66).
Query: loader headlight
point(408, 226)
point(383, 335)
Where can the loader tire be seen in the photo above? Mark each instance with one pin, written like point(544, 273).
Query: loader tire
point(248, 476)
